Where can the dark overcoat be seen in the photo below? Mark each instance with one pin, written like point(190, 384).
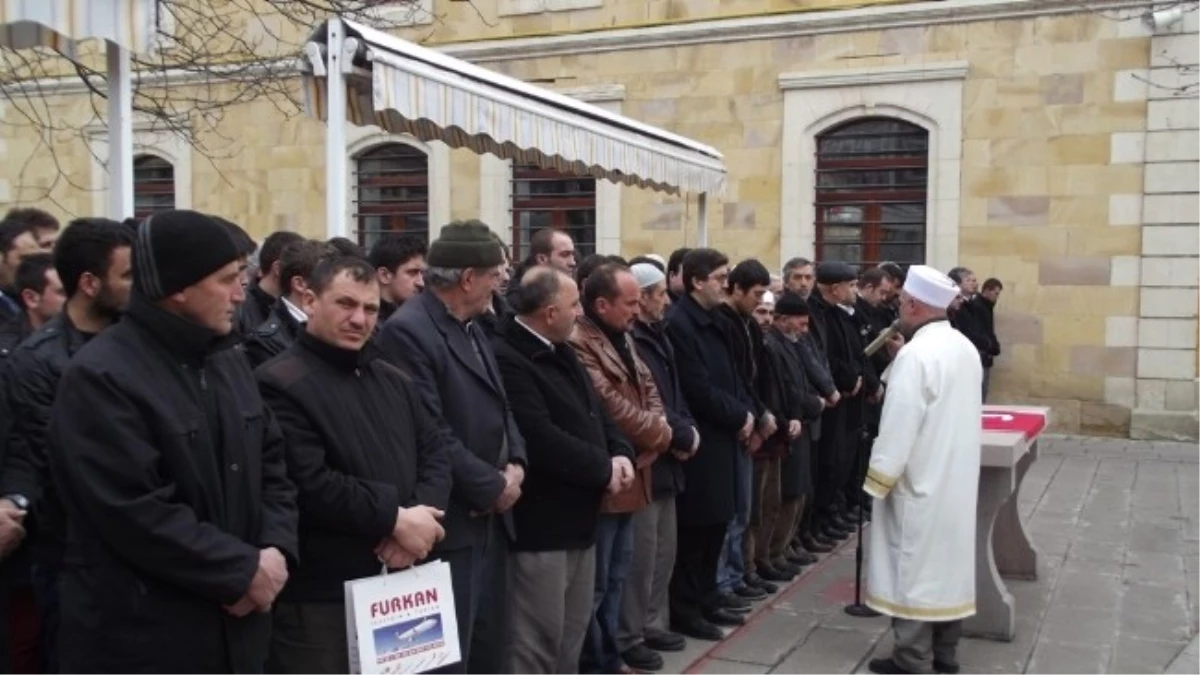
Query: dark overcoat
point(719, 398)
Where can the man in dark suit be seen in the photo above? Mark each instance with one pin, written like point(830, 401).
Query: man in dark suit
point(577, 454)
point(435, 339)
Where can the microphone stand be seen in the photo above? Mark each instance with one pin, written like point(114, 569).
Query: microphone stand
point(858, 609)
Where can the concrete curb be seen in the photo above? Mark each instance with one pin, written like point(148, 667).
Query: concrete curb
point(1188, 661)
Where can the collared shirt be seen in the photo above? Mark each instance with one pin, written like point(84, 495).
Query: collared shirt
point(536, 334)
point(297, 313)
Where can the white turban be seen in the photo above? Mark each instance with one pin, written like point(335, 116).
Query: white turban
point(768, 299)
point(647, 275)
point(930, 286)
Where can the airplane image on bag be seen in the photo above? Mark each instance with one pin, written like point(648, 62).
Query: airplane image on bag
point(412, 633)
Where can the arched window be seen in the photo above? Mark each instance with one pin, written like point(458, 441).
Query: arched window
point(872, 175)
point(546, 198)
point(391, 192)
point(153, 185)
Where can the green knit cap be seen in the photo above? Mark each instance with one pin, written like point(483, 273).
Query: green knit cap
point(463, 244)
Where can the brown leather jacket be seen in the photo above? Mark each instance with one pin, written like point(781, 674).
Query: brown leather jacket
point(634, 405)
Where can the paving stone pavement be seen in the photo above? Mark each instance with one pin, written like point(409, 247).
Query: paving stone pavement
point(1115, 522)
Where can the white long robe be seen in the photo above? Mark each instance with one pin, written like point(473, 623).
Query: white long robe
point(924, 474)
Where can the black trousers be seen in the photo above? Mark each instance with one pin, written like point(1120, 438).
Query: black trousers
point(694, 583)
point(309, 637)
point(479, 575)
point(834, 462)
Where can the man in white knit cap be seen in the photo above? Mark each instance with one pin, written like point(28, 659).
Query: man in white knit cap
point(643, 628)
point(924, 475)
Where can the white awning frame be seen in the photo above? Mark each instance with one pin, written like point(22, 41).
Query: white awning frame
point(405, 88)
point(125, 26)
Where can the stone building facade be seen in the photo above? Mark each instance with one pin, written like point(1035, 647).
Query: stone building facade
point(1052, 144)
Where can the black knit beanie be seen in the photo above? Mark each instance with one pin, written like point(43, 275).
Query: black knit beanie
point(791, 304)
point(464, 244)
point(175, 249)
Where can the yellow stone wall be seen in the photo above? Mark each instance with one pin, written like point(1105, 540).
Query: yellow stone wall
point(1039, 110)
point(464, 21)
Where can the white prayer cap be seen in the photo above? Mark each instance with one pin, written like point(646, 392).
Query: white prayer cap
point(768, 299)
point(658, 259)
point(930, 286)
point(647, 275)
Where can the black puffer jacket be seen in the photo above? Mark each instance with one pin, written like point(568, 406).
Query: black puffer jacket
point(360, 445)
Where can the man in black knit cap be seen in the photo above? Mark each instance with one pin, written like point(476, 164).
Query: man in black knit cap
point(181, 518)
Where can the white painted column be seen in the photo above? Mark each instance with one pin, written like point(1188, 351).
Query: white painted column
point(120, 133)
point(336, 199)
point(1166, 384)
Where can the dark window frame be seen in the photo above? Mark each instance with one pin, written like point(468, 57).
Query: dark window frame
point(153, 185)
point(559, 205)
point(404, 170)
point(882, 182)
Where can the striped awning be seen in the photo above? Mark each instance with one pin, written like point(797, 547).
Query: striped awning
point(59, 24)
point(406, 88)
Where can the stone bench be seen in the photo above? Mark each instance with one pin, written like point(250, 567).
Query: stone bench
point(1002, 547)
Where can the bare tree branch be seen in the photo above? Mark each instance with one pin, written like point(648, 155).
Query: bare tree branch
point(210, 55)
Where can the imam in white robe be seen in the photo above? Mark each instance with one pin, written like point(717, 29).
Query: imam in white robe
point(924, 474)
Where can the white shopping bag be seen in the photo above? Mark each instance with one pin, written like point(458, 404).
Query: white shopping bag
point(402, 622)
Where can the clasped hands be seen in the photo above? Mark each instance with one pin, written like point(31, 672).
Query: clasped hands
point(12, 527)
point(685, 455)
point(268, 581)
point(413, 536)
point(514, 476)
point(622, 475)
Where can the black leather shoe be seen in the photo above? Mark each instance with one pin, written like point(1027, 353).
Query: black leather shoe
point(946, 668)
point(732, 602)
point(788, 568)
point(756, 581)
point(724, 617)
point(834, 534)
point(664, 641)
point(749, 592)
point(699, 629)
point(813, 545)
point(801, 557)
point(641, 657)
point(770, 573)
point(886, 667)
point(823, 538)
point(840, 521)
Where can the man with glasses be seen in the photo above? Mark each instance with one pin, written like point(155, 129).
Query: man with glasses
point(723, 406)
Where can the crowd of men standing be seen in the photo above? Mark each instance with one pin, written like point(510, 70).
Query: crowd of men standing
point(613, 456)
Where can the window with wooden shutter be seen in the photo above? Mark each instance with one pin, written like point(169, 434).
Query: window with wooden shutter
point(153, 185)
point(391, 192)
point(871, 190)
point(546, 198)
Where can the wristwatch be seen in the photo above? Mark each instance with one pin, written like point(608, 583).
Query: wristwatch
point(21, 501)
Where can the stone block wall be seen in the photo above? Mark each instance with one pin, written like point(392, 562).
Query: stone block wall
point(1164, 390)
